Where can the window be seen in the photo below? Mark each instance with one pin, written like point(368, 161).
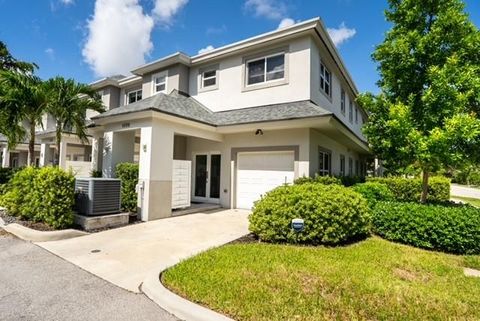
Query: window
point(357, 167)
point(342, 165)
point(350, 166)
point(350, 111)
point(325, 80)
point(269, 68)
point(324, 162)
point(209, 78)
point(356, 115)
point(160, 82)
point(342, 102)
point(133, 96)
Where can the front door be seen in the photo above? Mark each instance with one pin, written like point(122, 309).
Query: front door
point(207, 177)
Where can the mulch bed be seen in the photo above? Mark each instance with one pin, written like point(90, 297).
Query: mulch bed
point(249, 238)
point(39, 226)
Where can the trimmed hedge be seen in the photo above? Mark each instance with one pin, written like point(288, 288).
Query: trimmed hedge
point(434, 227)
point(42, 195)
point(333, 214)
point(6, 174)
point(410, 189)
point(128, 174)
point(325, 180)
point(374, 192)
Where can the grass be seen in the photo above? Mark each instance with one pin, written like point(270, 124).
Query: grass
point(371, 280)
point(472, 201)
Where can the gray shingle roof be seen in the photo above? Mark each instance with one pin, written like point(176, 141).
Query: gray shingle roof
point(187, 107)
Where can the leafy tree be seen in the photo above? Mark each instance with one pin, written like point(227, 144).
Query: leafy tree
point(68, 104)
point(22, 103)
point(8, 62)
point(427, 113)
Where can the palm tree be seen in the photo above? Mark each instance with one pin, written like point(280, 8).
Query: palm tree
point(68, 104)
point(22, 99)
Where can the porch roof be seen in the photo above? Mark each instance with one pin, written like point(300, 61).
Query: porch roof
point(181, 105)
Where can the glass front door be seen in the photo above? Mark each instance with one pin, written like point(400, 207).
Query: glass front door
point(207, 178)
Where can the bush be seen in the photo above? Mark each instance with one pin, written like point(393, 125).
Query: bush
point(374, 192)
point(96, 174)
point(333, 214)
point(351, 180)
point(42, 195)
point(325, 180)
point(435, 227)
point(128, 174)
point(6, 174)
point(410, 189)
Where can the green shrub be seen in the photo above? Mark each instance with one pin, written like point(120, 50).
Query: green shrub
point(333, 214)
point(42, 195)
point(410, 189)
point(6, 174)
point(374, 192)
point(18, 193)
point(325, 180)
point(128, 174)
point(95, 173)
point(351, 180)
point(53, 197)
point(435, 227)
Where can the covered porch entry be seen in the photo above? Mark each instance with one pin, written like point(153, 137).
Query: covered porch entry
point(172, 181)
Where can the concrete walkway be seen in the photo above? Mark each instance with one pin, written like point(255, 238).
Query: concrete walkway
point(126, 255)
point(464, 191)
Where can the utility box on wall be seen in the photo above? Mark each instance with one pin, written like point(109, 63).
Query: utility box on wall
point(181, 184)
point(97, 196)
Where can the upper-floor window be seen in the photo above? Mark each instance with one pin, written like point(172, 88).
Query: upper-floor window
point(324, 162)
point(209, 78)
point(350, 111)
point(134, 95)
point(160, 82)
point(356, 115)
point(342, 102)
point(325, 80)
point(265, 69)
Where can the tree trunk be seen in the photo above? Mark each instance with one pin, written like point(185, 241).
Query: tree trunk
point(423, 199)
point(31, 145)
point(58, 141)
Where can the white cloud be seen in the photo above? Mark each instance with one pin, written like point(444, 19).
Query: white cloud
point(50, 52)
point(118, 37)
point(165, 10)
point(67, 2)
point(341, 34)
point(270, 9)
point(286, 22)
point(206, 49)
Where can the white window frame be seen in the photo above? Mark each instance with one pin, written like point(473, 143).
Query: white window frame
point(202, 78)
point(350, 110)
point(323, 77)
point(323, 153)
point(154, 80)
point(127, 94)
point(343, 101)
point(265, 58)
point(208, 78)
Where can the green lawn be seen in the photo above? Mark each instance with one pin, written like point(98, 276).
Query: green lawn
point(473, 201)
point(371, 280)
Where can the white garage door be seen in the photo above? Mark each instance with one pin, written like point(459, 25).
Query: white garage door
point(260, 172)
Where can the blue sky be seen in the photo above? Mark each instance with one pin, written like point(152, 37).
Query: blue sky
point(87, 39)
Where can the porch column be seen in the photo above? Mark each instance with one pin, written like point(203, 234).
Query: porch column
point(155, 175)
point(5, 158)
point(119, 148)
point(62, 159)
point(97, 153)
point(45, 155)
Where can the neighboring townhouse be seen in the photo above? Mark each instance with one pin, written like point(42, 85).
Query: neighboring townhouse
point(74, 154)
point(228, 125)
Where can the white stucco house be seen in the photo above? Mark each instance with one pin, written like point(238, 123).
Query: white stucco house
point(247, 117)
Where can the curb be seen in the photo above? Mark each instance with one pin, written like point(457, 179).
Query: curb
point(2, 223)
point(178, 306)
point(31, 235)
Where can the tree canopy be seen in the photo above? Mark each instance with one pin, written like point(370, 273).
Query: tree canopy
point(427, 114)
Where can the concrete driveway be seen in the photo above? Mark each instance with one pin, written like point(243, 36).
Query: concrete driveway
point(464, 191)
point(126, 255)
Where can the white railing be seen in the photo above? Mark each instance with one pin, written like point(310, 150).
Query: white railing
point(80, 169)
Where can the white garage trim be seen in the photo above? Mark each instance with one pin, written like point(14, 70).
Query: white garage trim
point(260, 169)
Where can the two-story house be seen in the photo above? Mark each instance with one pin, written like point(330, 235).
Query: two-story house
point(249, 116)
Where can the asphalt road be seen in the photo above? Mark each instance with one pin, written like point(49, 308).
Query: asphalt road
point(37, 285)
